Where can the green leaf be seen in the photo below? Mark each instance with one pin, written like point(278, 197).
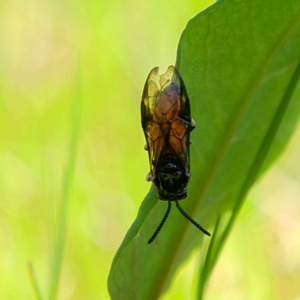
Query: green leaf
point(60, 240)
point(34, 282)
point(251, 177)
point(239, 63)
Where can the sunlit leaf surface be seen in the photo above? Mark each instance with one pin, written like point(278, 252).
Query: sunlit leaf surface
point(238, 60)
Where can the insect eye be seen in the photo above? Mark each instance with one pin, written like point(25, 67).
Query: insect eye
point(168, 176)
point(170, 171)
point(170, 168)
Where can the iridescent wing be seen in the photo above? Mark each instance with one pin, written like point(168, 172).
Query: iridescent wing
point(166, 119)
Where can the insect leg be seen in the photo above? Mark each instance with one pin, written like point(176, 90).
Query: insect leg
point(149, 177)
point(193, 124)
point(161, 224)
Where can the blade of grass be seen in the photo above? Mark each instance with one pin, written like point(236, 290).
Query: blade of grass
point(34, 281)
point(203, 272)
point(69, 175)
point(256, 167)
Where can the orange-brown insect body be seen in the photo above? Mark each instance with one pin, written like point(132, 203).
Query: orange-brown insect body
point(167, 124)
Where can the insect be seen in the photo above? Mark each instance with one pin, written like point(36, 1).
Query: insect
point(167, 124)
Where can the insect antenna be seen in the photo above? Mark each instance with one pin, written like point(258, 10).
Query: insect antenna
point(191, 220)
point(161, 224)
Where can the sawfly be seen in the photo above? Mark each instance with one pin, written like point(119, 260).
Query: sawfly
point(167, 124)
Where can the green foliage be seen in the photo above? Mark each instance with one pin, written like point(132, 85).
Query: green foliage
point(240, 64)
point(40, 45)
point(60, 237)
point(67, 188)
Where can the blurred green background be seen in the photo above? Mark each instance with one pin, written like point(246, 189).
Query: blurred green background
point(111, 46)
